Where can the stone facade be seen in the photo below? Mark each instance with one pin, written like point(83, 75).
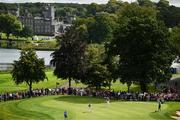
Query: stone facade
point(46, 24)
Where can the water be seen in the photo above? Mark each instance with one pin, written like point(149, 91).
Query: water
point(9, 55)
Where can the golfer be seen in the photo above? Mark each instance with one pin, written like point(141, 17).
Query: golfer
point(65, 115)
point(89, 107)
point(159, 104)
point(108, 100)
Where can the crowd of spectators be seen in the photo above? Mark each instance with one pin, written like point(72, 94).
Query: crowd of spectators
point(167, 95)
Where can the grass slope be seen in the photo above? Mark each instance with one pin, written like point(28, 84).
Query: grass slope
point(52, 108)
point(7, 84)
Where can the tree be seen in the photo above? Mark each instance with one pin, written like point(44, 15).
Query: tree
point(169, 14)
point(113, 6)
point(69, 60)
point(26, 32)
point(97, 74)
point(29, 69)
point(142, 43)
point(93, 8)
point(147, 3)
point(9, 24)
point(175, 38)
point(101, 30)
point(163, 3)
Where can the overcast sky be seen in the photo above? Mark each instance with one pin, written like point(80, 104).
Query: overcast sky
point(173, 2)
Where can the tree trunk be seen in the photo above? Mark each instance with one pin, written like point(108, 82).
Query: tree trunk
point(69, 82)
point(110, 85)
point(0, 36)
point(30, 89)
point(69, 89)
point(143, 86)
point(128, 87)
point(9, 41)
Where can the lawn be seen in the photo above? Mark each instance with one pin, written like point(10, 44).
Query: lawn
point(52, 108)
point(7, 84)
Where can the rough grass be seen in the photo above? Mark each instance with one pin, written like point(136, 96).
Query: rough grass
point(52, 108)
point(8, 85)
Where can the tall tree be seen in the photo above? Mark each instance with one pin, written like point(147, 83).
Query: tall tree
point(9, 24)
point(28, 69)
point(93, 8)
point(169, 14)
point(142, 43)
point(97, 74)
point(147, 3)
point(26, 32)
point(69, 60)
point(101, 30)
point(175, 38)
point(113, 6)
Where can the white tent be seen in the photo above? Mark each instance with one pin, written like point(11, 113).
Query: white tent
point(176, 65)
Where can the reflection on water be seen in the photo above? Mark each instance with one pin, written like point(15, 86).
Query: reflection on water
point(9, 55)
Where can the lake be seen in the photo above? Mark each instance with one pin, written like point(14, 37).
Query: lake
point(9, 55)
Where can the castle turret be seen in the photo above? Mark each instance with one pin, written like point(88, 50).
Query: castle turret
point(49, 12)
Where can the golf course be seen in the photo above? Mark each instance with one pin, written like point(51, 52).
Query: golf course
point(52, 108)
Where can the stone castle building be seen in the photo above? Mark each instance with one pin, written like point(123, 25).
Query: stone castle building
point(44, 24)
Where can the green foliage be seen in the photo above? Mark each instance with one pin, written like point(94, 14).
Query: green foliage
point(26, 32)
point(29, 68)
point(69, 60)
point(97, 74)
point(175, 38)
point(169, 14)
point(147, 3)
point(93, 8)
point(113, 6)
point(101, 30)
point(143, 46)
point(9, 24)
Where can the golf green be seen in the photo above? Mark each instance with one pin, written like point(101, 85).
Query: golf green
point(52, 108)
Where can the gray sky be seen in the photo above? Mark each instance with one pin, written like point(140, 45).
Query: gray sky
point(173, 2)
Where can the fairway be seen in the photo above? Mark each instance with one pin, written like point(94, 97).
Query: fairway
point(52, 108)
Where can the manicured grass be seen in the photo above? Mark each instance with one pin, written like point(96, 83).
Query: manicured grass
point(7, 84)
point(118, 86)
point(52, 108)
point(176, 75)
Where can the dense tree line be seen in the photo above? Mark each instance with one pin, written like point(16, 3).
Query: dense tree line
point(167, 13)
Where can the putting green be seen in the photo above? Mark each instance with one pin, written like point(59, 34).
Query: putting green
point(52, 108)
